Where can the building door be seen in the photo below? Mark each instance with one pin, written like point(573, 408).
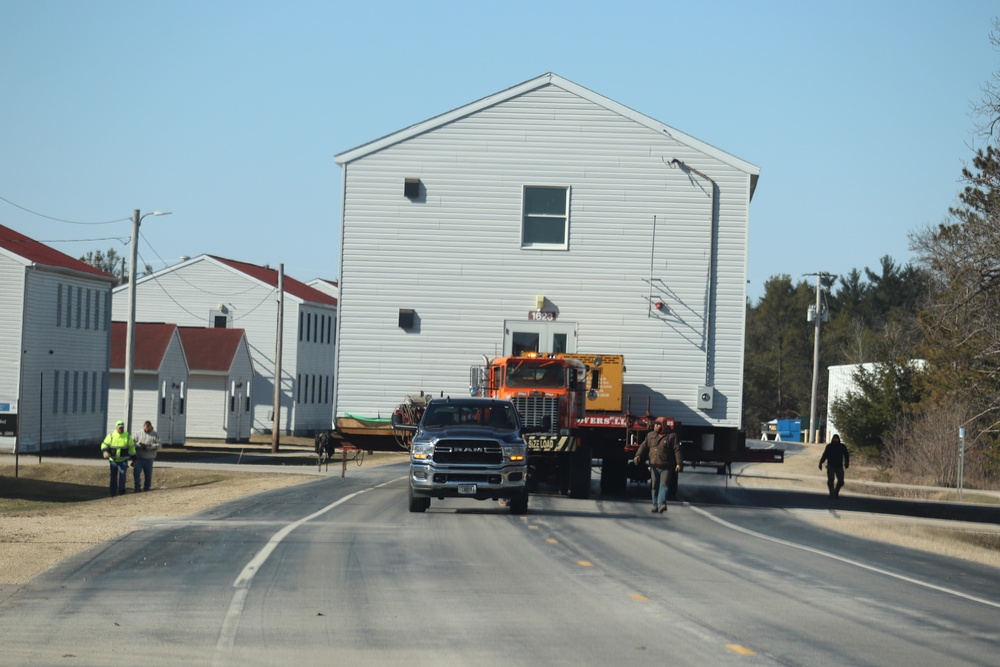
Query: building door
point(541, 337)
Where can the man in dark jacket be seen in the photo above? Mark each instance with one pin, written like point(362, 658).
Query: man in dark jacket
point(664, 460)
point(837, 458)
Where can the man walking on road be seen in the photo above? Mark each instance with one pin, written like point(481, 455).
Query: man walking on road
point(837, 458)
point(664, 461)
point(118, 447)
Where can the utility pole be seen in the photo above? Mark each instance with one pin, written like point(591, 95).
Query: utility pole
point(275, 428)
point(816, 315)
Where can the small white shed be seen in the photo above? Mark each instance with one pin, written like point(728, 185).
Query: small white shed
point(160, 376)
point(219, 397)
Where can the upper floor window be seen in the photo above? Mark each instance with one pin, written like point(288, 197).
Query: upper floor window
point(544, 216)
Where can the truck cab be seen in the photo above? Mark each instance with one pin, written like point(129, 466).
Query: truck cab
point(469, 448)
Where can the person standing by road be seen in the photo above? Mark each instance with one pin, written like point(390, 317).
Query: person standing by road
point(837, 458)
point(118, 448)
point(147, 444)
point(664, 454)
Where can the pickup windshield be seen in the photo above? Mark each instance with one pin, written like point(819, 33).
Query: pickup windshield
point(451, 414)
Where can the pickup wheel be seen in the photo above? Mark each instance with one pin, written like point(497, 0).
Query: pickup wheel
point(417, 503)
point(519, 504)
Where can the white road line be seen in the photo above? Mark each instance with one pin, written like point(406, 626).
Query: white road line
point(227, 635)
point(826, 554)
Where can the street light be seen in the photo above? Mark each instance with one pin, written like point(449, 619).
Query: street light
point(130, 329)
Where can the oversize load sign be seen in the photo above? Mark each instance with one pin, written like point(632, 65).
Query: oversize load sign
point(8, 425)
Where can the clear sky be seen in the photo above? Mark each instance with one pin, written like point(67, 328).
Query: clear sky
point(229, 113)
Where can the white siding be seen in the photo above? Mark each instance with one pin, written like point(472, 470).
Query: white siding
point(67, 340)
point(188, 293)
point(170, 423)
point(454, 256)
point(206, 406)
point(12, 305)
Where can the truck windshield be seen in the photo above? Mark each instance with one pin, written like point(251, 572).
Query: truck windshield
point(450, 414)
point(543, 375)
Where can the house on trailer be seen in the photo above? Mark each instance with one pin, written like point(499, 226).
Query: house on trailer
point(160, 377)
point(544, 218)
point(214, 292)
point(55, 335)
point(217, 398)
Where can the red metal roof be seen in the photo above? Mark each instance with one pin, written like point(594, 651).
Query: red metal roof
point(39, 253)
point(210, 349)
point(269, 276)
point(151, 343)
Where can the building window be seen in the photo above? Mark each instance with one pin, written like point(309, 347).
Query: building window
point(86, 317)
point(79, 306)
point(301, 318)
point(544, 217)
point(93, 392)
point(55, 394)
point(59, 305)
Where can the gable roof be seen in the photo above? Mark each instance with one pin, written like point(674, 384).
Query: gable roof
point(269, 276)
point(210, 350)
point(151, 342)
point(43, 255)
point(549, 79)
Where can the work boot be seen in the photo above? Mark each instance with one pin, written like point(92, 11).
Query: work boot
point(655, 510)
point(662, 509)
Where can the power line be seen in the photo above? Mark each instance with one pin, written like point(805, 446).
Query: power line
point(71, 222)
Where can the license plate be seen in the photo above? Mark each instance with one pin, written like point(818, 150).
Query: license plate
point(467, 489)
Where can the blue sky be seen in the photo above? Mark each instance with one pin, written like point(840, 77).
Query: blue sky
point(230, 113)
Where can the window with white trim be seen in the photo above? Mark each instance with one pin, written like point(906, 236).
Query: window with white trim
point(544, 216)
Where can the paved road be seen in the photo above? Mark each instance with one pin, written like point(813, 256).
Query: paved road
point(337, 571)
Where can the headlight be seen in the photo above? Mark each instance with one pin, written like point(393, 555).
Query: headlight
point(421, 452)
point(514, 453)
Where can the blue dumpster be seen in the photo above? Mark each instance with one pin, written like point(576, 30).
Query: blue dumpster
point(790, 430)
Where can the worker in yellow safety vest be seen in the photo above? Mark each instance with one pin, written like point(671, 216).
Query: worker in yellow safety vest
point(118, 448)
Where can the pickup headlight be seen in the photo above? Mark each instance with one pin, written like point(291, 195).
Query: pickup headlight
point(421, 452)
point(514, 453)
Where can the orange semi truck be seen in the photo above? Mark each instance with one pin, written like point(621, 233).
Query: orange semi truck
point(574, 410)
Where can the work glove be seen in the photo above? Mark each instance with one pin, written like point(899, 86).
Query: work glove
point(105, 454)
point(820, 466)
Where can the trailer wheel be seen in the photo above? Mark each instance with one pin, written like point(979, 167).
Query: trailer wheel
point(418, 503)
point(614, 476)
point(579, 474)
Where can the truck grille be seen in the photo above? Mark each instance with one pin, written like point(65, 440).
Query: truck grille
point(534, 409)
point(468, 452)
